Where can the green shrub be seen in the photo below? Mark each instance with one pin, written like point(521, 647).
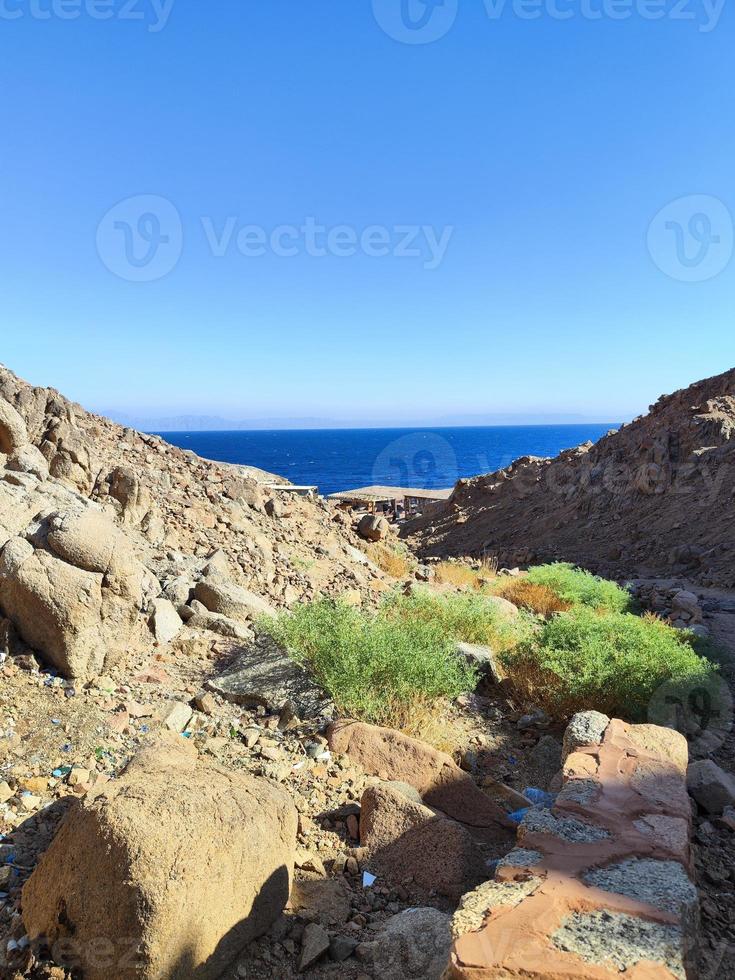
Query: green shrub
point(378, 666)
point(581, 588)
point(464, 616)
point(609, 661)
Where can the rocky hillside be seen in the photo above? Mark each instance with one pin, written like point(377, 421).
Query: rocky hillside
point(655, 497)
point(110, 538)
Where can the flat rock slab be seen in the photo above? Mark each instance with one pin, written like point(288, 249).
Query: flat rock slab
point(599, 884)
point(264, 674)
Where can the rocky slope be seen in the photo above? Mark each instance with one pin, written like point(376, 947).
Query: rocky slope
point(107, 536)
point(654, 498)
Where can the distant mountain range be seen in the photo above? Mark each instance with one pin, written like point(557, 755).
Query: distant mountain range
point(216, 423)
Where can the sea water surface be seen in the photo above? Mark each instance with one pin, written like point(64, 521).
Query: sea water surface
point(344, 459)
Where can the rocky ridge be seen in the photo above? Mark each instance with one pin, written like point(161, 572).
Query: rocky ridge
point(109, 535)
point(653, 498)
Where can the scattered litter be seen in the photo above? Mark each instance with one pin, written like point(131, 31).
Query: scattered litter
point(55, 721)
point(539, 797)
point(368, 880)
point(517, 815)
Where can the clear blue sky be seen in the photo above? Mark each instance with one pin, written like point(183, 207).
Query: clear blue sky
point(546, 146)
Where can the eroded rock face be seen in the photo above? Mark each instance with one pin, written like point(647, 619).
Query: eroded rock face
point(601, 883)
point(169, 872)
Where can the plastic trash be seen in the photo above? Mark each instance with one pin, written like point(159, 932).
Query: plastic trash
point(517, 815)
point(539, 797)
point(368, 880)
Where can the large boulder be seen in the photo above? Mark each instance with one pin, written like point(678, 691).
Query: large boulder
point(264, 674)
point(13, 431)
point(373, 528)
point(406, 839)
point(227, 599)
point(76, 601)
point(442, 784)
point(169, 872)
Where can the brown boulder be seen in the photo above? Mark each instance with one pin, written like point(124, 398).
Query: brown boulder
point(391, 755)
point(78, 603)
point(170, 871)
point(406, 839)
point(224, 597)
point(373, 528)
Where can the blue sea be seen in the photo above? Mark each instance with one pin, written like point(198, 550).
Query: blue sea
point(344, 459)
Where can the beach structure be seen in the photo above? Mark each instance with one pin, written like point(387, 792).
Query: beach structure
point(389, 500)
point(307, 490)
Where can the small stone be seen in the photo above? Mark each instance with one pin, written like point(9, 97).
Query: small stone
point(341, 948)
point(6, 792)
point(712, 787)
point(251, 737)
point(314, 944)
point(175, 715)
point(310, 862)
point(205, 703)
point(78, 776)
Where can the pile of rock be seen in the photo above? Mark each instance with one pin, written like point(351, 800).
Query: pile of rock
point(679, 606)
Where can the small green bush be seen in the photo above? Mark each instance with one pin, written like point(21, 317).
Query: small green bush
point(609, 661)
point(464, 616)
point(378, 666)
point(581, 588)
